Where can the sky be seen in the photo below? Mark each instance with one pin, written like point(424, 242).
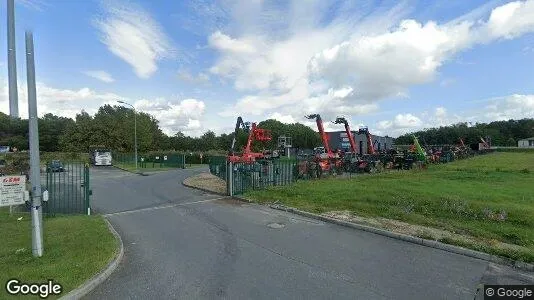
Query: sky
point(393, 66)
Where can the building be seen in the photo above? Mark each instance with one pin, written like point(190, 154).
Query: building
point(526, 143)
point(340, 140)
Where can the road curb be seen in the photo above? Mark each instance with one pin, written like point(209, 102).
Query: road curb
point(202, 189)
point(125, 170)
point(92, 283)
point(408, 238)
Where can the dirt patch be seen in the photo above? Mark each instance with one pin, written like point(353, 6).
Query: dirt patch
point(417, 230)
point(208, 182)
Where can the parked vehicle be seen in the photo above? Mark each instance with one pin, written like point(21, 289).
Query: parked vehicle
point(55, 166)
point(101, 157)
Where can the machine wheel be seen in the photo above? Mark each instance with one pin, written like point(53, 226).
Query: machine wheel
point(312, 172)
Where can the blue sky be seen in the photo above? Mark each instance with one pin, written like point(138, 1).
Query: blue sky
point(197, 65)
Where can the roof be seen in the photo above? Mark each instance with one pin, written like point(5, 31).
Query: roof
point(527, 139)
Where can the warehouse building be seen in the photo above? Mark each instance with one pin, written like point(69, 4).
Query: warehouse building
point(340, 140)
point(526, 143)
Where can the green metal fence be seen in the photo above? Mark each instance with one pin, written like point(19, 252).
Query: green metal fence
point(217, 165)
point(258, 175)
point(69, 190)
point(261, 175)
point(163, 160)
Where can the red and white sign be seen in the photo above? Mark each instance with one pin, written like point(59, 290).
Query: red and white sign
point(12, 190)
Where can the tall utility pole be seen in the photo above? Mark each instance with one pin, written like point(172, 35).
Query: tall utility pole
point(12, 60)
point(135, 132)
point(35, 169)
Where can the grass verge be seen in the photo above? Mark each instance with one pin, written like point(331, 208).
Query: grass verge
point(75, 249)
point(488, 198)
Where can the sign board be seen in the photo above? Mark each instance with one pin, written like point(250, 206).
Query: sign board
point(165, 157)
point(142, 159)
point(157, 157)
point(12, 190)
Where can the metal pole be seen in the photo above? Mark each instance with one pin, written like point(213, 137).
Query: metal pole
point(12, 60)
point(135, 137)
point(35, 170)
point(230, 178)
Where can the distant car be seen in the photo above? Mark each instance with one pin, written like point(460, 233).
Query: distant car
point(55, 166)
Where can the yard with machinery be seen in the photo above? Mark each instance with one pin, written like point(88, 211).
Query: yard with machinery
point(483, 203)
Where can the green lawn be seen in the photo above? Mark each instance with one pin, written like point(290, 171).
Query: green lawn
point(464, 196)
point(75, 249)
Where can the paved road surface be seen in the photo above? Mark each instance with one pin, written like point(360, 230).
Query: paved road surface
point(182, 243)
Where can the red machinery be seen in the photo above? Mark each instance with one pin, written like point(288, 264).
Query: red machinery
point(341, 120)
point(254, 133)
point(324, 162)
point(370, 144)
point(369, 162)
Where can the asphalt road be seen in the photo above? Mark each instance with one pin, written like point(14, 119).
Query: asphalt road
point(182, 243)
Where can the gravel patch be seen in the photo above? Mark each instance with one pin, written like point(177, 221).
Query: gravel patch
point(415, 230)
point(208, 182)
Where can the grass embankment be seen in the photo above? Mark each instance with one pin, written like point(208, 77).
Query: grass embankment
point(75, 249)
point(489, 198)
point(149, 168)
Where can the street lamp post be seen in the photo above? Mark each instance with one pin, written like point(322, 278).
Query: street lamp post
point(135, 132)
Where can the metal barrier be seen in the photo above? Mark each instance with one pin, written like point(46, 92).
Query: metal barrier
point(164, 160)
point(69, 189)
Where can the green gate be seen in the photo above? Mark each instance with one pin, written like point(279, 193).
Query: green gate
point(68, 189)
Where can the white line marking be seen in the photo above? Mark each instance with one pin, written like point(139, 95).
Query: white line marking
point(159, 207)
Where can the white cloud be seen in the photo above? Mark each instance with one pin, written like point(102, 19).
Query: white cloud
point(511, 20)
point(509, 107)
point(186, 76)
point(225, 43)
point(352, 63)
point(496, 109)
point(401, 121)
point(185, 115)
point(33, 4)
point(182, 116)
point(133, 35)
point(100, 75)
point(287, 119)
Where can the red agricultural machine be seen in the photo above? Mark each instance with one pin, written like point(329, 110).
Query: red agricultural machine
point(254, 133)
point(324, 160)
point(357, 162)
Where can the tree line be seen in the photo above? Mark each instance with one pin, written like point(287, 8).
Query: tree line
point(501, 133)
point(112, 127)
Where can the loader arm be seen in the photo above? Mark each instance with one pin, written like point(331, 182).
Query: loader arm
point(324, 136)
point(341, 120)
point(238, 125)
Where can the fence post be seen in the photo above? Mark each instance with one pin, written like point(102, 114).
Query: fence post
point(87, 188)
point(230, 179)
point(183, 161)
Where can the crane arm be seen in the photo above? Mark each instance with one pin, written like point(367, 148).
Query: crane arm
point(250, 138)
point(324, 136)
point(341, 120)
point(238, 125)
